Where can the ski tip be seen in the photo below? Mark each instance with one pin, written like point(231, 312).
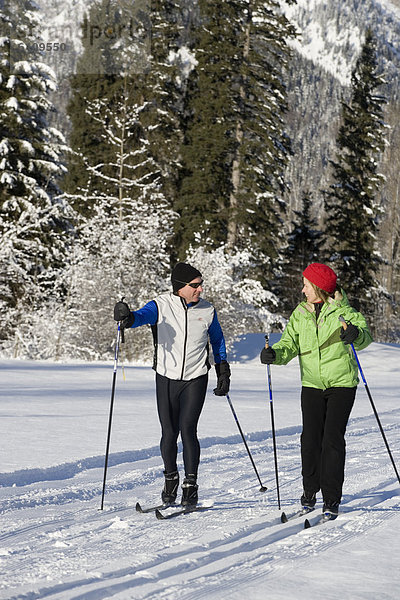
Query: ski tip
point(307, 524)
point(138, 507)
point(159, 515)
point(284, 518)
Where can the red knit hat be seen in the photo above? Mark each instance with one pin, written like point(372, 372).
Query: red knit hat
point(322, 276)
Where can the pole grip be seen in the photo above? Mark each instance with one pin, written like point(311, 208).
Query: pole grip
point(266, 340)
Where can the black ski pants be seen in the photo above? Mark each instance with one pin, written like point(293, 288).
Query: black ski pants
point(179, 405)
point(323, 447)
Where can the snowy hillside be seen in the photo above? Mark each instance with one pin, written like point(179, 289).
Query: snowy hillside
point(328, 45)
point(55, 543)
point(331, 33)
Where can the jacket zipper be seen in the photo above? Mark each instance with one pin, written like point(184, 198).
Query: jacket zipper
point(185, 339)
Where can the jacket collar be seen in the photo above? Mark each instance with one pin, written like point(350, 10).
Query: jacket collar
point(181, 301)
point(339, 299)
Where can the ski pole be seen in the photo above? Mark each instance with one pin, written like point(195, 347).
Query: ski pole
point(262, 488)
point(344, 325)
point(111, 412)
point(273, 425)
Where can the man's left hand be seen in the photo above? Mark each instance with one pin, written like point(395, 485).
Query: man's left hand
point(223, 381)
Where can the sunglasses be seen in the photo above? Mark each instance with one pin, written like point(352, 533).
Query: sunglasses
point(192, 285)
point(196, 285)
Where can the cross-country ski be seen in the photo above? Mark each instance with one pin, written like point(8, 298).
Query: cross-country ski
point(161, 515)
point(148, 509)
point(299, 513)
point(324, 518)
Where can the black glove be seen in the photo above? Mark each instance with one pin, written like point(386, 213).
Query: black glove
point(349, 334)
point(123, 314)
point(267, 356)
point(223, 381)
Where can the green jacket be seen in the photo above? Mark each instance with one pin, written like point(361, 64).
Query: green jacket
point(324, 360)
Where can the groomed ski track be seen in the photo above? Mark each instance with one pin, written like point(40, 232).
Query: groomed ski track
point(55, 543)
point(56, 532)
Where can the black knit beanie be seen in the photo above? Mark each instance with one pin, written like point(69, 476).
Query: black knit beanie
point(182, 274)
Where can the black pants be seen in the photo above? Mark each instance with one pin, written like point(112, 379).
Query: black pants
point(323, 447)
point(179, 406)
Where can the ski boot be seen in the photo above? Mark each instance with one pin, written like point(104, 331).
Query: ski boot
point(331, 509)
point(168, 495)
point(308, 499)
point(189, 491)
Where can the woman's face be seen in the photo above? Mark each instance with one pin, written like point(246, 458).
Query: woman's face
point(309, 292)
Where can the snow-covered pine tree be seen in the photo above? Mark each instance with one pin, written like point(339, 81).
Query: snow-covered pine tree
point(235, 148)
point(351, 203)
point(207, 152)
point(154, 75)
point(242, 304)
point(121, 248)
point(256, 207)
point(33, 225)
point(163, 86)
point(122, 243)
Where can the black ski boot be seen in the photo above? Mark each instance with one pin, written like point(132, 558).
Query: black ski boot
point(308, 499)
point(331, 508)
point(168, 495)
point(189, 491)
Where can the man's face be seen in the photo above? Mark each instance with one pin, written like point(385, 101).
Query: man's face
point(189, 293)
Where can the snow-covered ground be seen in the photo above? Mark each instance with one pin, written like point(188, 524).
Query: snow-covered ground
point(55, 542)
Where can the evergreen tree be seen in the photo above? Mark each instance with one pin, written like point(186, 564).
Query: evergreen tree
point(95, 79)
point(33, 224)
point(304, 247)
point(117, 252)
point(351, 204)
point(163, 87)
point(244, 309)
point(124, 171)
point(149, 77)
point(235, 148)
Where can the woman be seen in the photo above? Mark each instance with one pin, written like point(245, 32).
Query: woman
point(329, 379)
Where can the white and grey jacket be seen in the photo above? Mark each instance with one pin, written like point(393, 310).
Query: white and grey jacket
point(181, 332)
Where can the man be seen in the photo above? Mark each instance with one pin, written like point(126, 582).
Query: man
point(182, 322)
